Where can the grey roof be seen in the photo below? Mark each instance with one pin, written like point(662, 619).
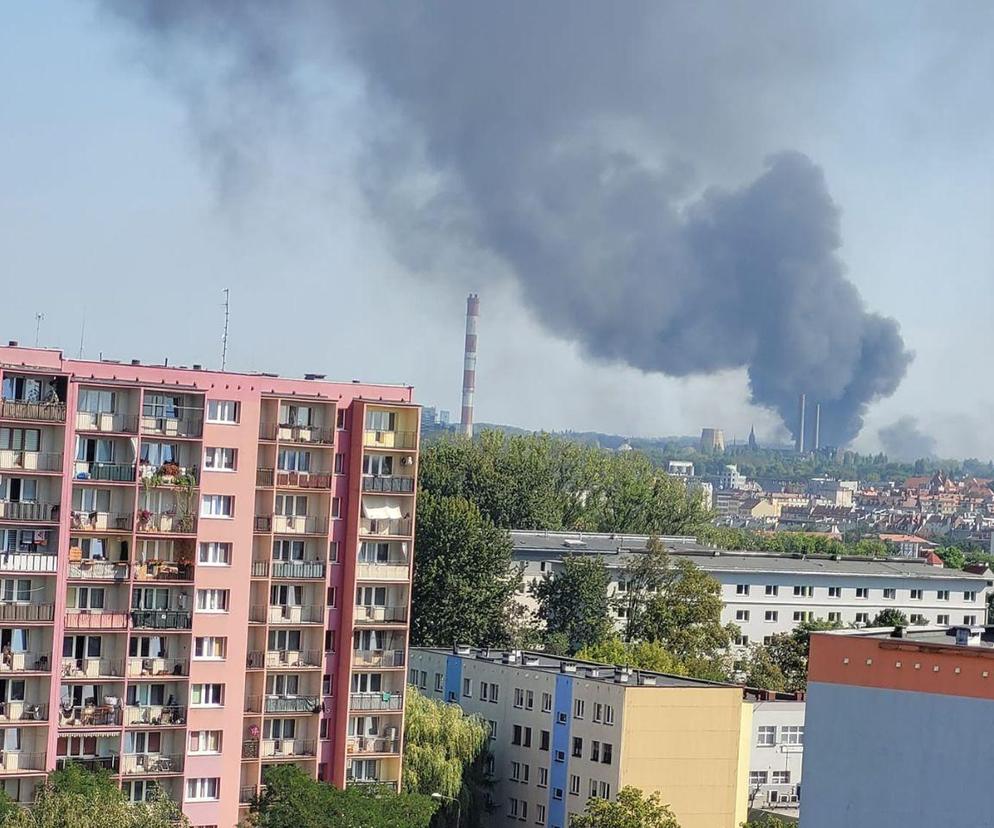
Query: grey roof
point(982, 637)
point(616, 549)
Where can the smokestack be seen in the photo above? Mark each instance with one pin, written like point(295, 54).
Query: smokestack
point(799, 442)
point(817, 444)
point(469, 364)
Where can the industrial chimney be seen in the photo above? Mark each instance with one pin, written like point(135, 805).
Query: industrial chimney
point(817, 443)
point(799, 442)
point(469, 364)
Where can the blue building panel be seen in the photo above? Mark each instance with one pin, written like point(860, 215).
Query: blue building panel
point(559, 773)
point(453, 678)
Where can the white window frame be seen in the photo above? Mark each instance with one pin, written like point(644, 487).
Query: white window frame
point(215, 506)
point(213, 691)
point(203, 789)
point(223, 411)
point(220, 459)
point(214, 553)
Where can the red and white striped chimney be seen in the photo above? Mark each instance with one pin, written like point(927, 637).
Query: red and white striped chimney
point(469, 364)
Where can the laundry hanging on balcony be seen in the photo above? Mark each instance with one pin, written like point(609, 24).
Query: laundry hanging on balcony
point(380, 508)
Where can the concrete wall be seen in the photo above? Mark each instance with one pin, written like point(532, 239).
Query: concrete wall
point(782, 756)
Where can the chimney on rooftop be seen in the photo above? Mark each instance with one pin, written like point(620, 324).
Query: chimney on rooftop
point(469, 364)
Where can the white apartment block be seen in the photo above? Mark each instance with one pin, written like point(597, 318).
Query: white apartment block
point(765, 594)
point(777, 753)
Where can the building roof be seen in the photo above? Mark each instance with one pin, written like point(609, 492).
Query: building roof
point(615, 549)
point(898, 538)
point(982, 638)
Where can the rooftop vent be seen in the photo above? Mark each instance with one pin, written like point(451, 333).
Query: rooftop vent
point(574, 542)
point(314, 376)
point(622, 676)
point(530, 661)
point(12, 343)
point(567, 667)
point(596, 672)
point(511, 656)
point(136, 362)
point(197, 366)
point(647, 681)
point(968, 636)
point(461, 649)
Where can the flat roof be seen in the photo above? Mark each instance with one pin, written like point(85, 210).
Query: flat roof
point(982, 637)
point(588, 670)
point(615, 549)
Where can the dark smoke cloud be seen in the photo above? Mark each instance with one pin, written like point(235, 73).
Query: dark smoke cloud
point(562, 140)
point(904, 440)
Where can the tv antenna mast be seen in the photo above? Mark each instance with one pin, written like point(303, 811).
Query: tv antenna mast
point(38, 318)
point(224, 336)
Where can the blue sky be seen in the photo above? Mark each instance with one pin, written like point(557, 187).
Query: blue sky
point(111, 210)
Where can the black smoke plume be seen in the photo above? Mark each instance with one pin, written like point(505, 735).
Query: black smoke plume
point(560, 138)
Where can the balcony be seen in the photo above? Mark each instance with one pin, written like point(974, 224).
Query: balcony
point(284, 748)
point(290, 659)
point(289, 614)
point(392, 484)
point(302, 480)
point(155, 715)
point(30, 461)
point(351, 779)
point(107, 422)
point(22, 711)
point(104, 472)
point(151, 764)
point(287, 433)
point(89, 570)
point(43, 412)
point(263, 524)
point(163, 571)
point(250, 749)
point(166, 523)
point(161, 619)
point(382, 572)
point(93, 764)
point(380, 615)
point(405, 440)
point(103, 715)
point(31, 613)
point(24, 662)
point(248, 793)
point(298, 570)
point(380, 527)
point(100, 521)
point(187, 426)
point(29, 512)
point(384, 659)
point(376, 701)
point(292, 704)
point(158, 667)
point(16, 762)
point(371, 745)
point(300, 525)
point(91, 668)
point(169, 475)
point(96, 620)
point(28, 562)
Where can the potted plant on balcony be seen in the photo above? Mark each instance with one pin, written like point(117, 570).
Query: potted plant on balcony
point(144, 516)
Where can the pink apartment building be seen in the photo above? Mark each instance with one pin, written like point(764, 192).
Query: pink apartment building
point(203, 574)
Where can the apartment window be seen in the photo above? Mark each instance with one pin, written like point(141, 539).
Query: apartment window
point(439, 682)
point(603, 790)
point(557, 793)
point(862, 618)
point(381, 421)
point(512, 807)
point(293, 460)
point(595, 751)
point(578, 706)
point(606, 751)
point(742, 589)
point(942, 595)
point(521, 736)
point(772, 615)
point(219, 459)
point(835, 616)
point(559, 756)
point(767, 640)
point(516, 771)
point(529, 699)
point(772, 589)
point(543, 777)
point(917, 594)
point(336, 507)
point(608, 714)
point(212, 600)
point(519, 697)
point(577, 747)
point(741, 615)
point(801, 616)
point(574, 785)
point(92, 401)
point(918, 618)
point(326, 687)
point(890, 594)
point(766, 735)
point(339, 462)
point(207, 695)
point(862, 592)
point(210, 647)
point(543, 740)
point(792, 734)
point(214, 554)
point(205, 741)
point(333, 552)
point(78, 597)
point(781, 777)
point(217, 506)
point(835, 592)
point(467, 687)
point(804, 591)
point(20, 439)
point(493, 730)
point(340, 418)
point(329, 641)
point(742, 640)
point(547, 702)
point(203, 789)
point(540, 815)
point(758, 777)
point(323, 734)
point(222, 411)
point(969, 596)
point(942, 619)
point(593, 788)
point(970, 619)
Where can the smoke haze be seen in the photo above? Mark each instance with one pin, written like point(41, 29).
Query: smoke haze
point(560, 143)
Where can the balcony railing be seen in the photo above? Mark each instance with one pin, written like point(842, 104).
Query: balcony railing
point(378, 658)
point(88, 570)
point(376, 701)
point(303, 480)
point(22, 711)
point(358, 745)
point(109, 472)
point(148, 764)
point(27, 562)
point(292, 704)
point(46, 412)
point(106, 421)
point(380, 615)
point(390, 439)
point(29, 512)
point(155, 715)
point(102, 715)
point(253, 704)
point(96, 620)
point(382, 571)
point(250, 750)
point(29, 461)
point(248, 793)
point(263, 523)
point(293, 659)
point(305, 434)
point(351, 779)
point(391, 484)
point(24, 662)
point(15, 762)
point(295, 614)
point(101, 521)
point(287, 747)
point(397, 527)
point(161, 619)
point(86, 668)
point(264, 478)
point(298, 570)
point(300, 524)
point(166, 523)
point(94, 764)
point(158, 667)
point(188, 426)
point(27, 612)
point(163, 571)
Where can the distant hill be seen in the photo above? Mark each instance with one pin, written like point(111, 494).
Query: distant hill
point(590, 438)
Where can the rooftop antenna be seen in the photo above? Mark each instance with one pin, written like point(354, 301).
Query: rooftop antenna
point(82, 333)
point(224, 336)
point(38, 318)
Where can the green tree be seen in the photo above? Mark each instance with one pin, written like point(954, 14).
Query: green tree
point(292, 799)
point(789, 651)
point(952, 557)
point(890, 617)
point(632, 809)
point(445, 752)
point(642, 655)
point(762, 671)
point(574, 604)
point(644, 575)
point(464, 580)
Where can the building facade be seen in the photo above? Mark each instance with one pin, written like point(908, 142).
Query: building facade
point(765, 594)
point(898, 728)
point(777, 753)
point(204, 574)
point(564, 731)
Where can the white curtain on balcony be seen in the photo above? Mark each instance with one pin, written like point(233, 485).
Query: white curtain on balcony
point(380, 508)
